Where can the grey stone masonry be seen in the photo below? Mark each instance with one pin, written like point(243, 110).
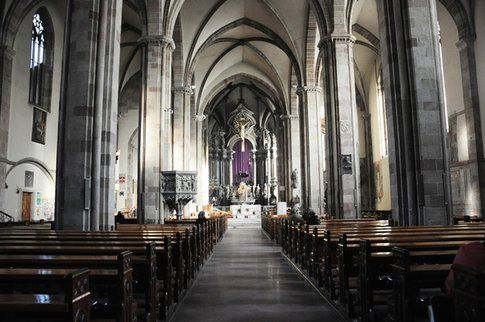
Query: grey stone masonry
point(311, 148)
point(89, 108)
point(155, 114)
point(75, 153)
point(411, 78)
point(6, 59)
point(182, 127)
point(476, 165)
point(342, 125)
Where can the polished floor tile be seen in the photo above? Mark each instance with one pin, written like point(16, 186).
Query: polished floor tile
point(247, 279)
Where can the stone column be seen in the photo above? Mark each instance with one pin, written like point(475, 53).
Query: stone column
point(87, 129)
point(261, 172)
point(231, 174)
point(201, 159)
point(155, 124)
point(342, 126)
point(273, 165)
point(6, 61)
point(312, 186)
point(106, 116)
point(474, 126)
point(182, 126)
point(411, 78)
point(227, 167)
point(294, 161)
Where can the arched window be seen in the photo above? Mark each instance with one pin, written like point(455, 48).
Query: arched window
point(41, 60)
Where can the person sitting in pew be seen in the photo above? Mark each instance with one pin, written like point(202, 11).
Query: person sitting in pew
point(471, 255)
point(201, 217)
point(311, 218)
point(119, 218)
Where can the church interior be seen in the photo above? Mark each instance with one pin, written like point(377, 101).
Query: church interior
point(242, 160)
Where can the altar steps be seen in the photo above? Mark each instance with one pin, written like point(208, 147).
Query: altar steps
point(241, 223)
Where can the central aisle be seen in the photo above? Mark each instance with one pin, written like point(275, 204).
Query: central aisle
point(248, 279)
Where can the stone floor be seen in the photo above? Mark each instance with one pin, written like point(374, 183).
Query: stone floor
point(248, 279)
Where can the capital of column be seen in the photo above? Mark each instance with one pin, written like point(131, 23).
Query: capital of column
point(308, 89)
point(200, 117)
point(337, 38)
point(261, 154)
point(183, 89)
point(465, 42)
point(8, 51)
point(289, 117)
point(157, 40)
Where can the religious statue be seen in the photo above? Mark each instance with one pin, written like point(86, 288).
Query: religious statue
point(228, 192)
point(257, 191)
point(294, 179)
point(243, 191)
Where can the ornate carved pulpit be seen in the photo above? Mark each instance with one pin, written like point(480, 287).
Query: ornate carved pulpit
point(178, 188)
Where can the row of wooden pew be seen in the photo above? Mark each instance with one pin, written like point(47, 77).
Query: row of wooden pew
point(372, 270)
point(136, 273)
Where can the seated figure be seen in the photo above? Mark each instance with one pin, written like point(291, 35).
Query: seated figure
point(471, 255)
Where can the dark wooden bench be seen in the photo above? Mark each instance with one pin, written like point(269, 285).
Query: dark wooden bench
point(181, 254)
point(324, 245)
point(375, 273)
point(70, 301)
point(163, 271)
point(408, 278)
point(348, 255)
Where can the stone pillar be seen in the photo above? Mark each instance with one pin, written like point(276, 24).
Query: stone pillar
point(155, 125)
point(474, 126)
point(273, 165)
point(294, 161)
point(182, 126)
point(227, 167)
point(312, 186)
point(231, 174)
point(6, 61)
point(106, 116)
point(261, 172)
point(89, 105)
point(411, 78)
point(201, 158)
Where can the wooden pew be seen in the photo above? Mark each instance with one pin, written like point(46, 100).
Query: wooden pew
point(198, 246)
point(70, 302)
point(348, 255)
point(187, 252)
point(182, 261)
point(129, 237)
point(163, 265)
point(300, 235)
point(375, 270)
point(324, 245)
point(408, 278)
point(110, 275)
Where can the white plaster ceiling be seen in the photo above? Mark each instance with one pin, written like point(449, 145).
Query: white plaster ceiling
point(129, 55)
point(263, 60)
point(364, 13)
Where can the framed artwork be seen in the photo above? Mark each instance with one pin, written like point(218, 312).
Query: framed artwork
point(39, 125)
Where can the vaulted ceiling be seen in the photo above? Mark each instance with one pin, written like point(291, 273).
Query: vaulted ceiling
point(238, 40)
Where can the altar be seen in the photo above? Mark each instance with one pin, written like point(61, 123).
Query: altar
point(246, 211)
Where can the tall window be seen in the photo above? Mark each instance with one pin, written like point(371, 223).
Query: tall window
point(40, 62)
point(382, 118)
